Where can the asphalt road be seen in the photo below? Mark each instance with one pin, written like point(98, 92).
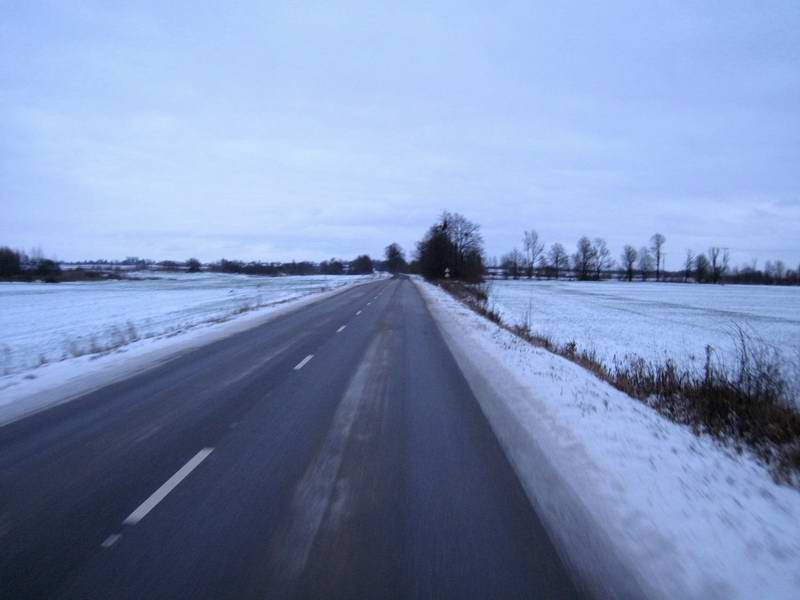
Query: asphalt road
point(336, 452)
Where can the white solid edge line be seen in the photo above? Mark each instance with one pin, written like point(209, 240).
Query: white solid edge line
point(169, 485)
point(341, 329)
point(303, 362)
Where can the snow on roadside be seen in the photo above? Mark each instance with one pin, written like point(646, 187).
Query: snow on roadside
point(656, 321)
point(41, 323)
point(31, 390)
point(687, 517)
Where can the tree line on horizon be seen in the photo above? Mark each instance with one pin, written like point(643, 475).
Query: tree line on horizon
point(18, 265)
point(453, 248)
point(592, 261)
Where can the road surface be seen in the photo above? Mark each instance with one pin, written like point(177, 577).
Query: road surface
point(335, 452)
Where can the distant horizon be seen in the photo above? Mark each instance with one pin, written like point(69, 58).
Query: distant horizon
point(669, 264)
point(155, 260)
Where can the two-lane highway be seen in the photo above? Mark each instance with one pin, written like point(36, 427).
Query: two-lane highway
point(334, 452)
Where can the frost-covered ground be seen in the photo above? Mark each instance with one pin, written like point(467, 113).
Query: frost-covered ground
point(60, 341)
point(616, 483)
point(653, 320)
point(42, 323)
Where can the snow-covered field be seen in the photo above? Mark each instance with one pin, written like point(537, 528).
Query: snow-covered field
point(41, 323)
point(653, 320)
point(631, 498)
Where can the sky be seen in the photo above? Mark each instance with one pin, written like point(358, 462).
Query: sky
point(303, 130)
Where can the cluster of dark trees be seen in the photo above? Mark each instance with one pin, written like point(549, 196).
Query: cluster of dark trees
point(192, 265)
point(452, 247)
point(592, 260)
point(773, 273)
point(394, 262)
point(15, 264)
point(394, 259)
point(361, 265)
point(262, 268)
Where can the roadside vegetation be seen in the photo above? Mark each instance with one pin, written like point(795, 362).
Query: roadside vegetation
point(745, 402)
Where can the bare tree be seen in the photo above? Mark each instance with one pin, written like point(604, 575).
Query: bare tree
point(780, 269)
point(434, 252)
point(513, 264)
point(602, 258)
point(544, 265)
point(726, 261)
point(657, 242)
point(701, 268)
point(688, 265)
point(719, 262)
point(645, 263)
point(36, 254)
point(628, 259)
point(583, 259)
point(453, 246)
point(466, 244)
point(558, 259)
point(395, 258)
point(193, 265)
point(533, 250)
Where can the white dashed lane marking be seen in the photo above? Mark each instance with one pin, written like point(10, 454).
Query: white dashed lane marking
point(303, 362)
point(171, 483)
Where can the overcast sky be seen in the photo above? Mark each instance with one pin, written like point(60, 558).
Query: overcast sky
point(303, 130)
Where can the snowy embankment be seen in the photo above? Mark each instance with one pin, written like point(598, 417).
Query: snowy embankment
point(58, 341)
point(654, 321)
point(637, 504)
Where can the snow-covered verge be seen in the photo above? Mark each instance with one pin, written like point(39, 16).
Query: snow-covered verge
point(42, 323)
point(171, 316)
point(655, 321)
point(638, 504)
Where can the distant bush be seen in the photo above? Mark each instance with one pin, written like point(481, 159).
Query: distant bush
point(269, 269)
point(333, 266)
point(395, 260)
point(362, 265)
point(49, 270)
point(88, 275)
